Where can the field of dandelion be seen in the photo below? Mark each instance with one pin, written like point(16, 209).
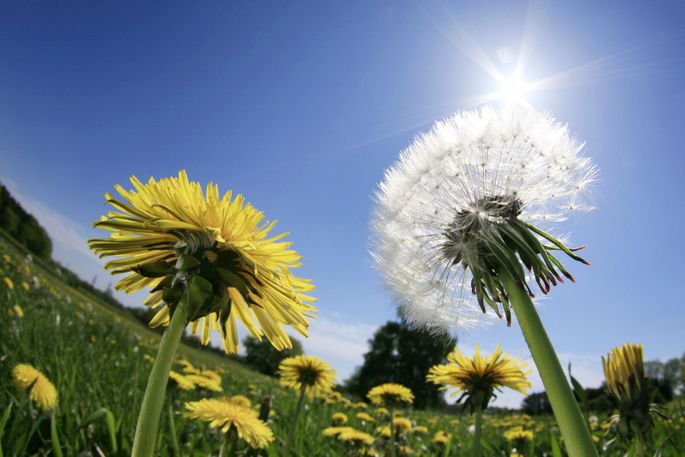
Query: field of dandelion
point(99, 359)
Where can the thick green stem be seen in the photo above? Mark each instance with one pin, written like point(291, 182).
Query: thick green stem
point(568, 415)
point(290, 444)
point(153, 400)
point(478, 419)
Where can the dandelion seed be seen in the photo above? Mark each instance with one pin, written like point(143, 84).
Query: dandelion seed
point(42, 391)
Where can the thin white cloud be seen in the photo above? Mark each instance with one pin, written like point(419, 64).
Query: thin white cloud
point(341, 343)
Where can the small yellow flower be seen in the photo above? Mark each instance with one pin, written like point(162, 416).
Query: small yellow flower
point(384, 431)
point(362, 416)
point(420, 429)
point(478, 377)
point(6, 258)
point(241, 400)
point(182, 382)
point(401, 424)
point(225, 414)
point(355, 437)
point(204, 383)
point(307, 372)
point(43, 392)
point(8, 283)
point(334, 431)
point(25, 286)
point(441, 438)
point(390, 394)
point(213, 375)
point(517, 434)
point(18, 311)
point(382, 411)
point(339, 419)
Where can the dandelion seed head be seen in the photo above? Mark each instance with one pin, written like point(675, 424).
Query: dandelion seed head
point(451, 191)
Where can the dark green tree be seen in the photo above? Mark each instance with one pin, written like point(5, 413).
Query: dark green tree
point(262, 356)
point(403, 355)
point(536, 403)
point(22, 226)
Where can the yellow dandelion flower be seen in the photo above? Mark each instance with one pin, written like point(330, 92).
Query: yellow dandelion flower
point(6, 258)
point(25, 286)
point(334, 431)
point(626, 384)
point(390, 394)
point(420, 429)
point(307, 372)
point(241, 400)
point(441, 438)
point(355, 437)
point(169, 236)
point(478, 377)
point(362, 416)
point(43, 392)
point(182, 382)
point(188, 368)
point(224, 415)
point(339, 418)
point(624, 372)
point(18, 311)
point(360, 405)
point(517, 434)
point(204, 383)
point(384, 431)
point(8, 283)
point(401, 424)
point(213, 375)
point(382, 411)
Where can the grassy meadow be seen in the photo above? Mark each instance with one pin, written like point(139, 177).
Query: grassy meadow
point(99, 359)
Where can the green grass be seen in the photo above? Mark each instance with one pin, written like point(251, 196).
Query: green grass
point(98, 358)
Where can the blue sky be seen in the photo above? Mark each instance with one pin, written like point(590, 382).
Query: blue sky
point(301, 106)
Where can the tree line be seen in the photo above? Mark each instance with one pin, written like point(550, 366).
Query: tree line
point(22, 226)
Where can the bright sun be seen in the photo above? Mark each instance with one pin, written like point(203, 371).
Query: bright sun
point(513, 90)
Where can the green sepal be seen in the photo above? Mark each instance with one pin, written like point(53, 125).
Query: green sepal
point(154, 269)
point(186, 262)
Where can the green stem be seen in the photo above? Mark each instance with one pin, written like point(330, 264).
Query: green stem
point(228, 448)
point(393, 441)
point(153, 400)
point(475, 449)
point(568, 415)
point(290, 444)
point(172, 431)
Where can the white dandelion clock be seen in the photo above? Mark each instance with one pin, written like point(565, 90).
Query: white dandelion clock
point(465, 200)
point(457, 230)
